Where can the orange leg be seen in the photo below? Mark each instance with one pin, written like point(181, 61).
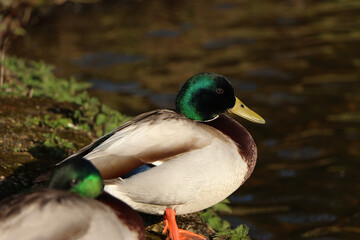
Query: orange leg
point(174, 232)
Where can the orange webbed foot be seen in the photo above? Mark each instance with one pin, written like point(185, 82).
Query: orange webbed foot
point(174, 232)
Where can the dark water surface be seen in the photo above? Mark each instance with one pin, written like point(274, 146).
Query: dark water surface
point(296, 62)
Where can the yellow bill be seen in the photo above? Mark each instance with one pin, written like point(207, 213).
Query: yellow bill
point(242, 110)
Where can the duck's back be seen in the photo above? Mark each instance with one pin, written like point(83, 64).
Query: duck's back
point(58, 215)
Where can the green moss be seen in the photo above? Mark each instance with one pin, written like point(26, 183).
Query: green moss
point(239, 233)
point(46, 120)
point(16, 149)
point(31, 78)
point(52, 140)
point(223, 227)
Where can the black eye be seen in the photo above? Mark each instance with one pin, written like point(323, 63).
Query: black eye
point(219, 91)
point(74, 182)
point(242, 105)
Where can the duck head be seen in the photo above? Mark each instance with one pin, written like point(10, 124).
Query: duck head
point(207, 95)
point(77, 175)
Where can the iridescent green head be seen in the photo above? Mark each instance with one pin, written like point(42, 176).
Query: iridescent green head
point(206, 95)
point(77, 175)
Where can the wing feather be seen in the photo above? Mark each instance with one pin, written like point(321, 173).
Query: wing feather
point(156, 136)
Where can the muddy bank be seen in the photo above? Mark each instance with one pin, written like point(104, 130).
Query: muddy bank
point(28, 146)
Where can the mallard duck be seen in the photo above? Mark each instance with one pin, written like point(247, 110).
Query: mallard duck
point(178, 162)
point(71, 214)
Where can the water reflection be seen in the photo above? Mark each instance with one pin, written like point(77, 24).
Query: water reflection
point(105, 59)
point(163, 33)
point(224, 43)
point(295, 62)
point(305, 218)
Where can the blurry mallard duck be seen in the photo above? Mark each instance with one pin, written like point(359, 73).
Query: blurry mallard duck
point(71, 214)
point(167, 162)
